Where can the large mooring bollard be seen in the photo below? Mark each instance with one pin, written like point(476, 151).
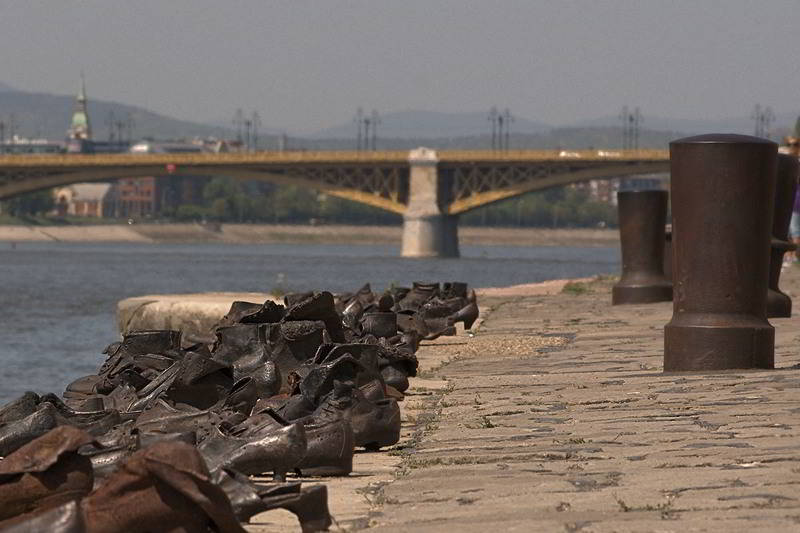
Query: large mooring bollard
point(723, 190)
point(778, 303)
point(641, 231)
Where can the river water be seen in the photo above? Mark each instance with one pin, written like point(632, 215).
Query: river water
point(58, 299)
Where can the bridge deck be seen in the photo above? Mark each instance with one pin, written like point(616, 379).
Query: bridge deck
point(321, 158)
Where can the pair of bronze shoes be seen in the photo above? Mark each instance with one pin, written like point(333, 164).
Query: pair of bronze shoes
point(47, 485)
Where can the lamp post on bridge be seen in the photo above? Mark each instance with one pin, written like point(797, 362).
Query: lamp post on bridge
point(256, 122)
point(359, 120)
point(631, 122)
point(508, 119)
point(493, 116)
point(501, 128)
point(367, 130)
point(763, 117)
point(238, 123)
point(375, 121)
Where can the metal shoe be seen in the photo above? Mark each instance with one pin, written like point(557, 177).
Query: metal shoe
point(45, 472)
point(251, 313)
point(16, 434)
point(310, 504)
point(139, 343)
point(330, 446)
point(467, 314)
point(380, 324)
point(165, 487)
point(319, 306)
point(65, 518)
point(273, 449)
point(19, 408)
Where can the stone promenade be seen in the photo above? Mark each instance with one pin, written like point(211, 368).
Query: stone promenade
point(556, 416)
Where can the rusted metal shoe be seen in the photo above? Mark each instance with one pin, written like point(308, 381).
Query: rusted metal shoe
point(642, 215)
point(165, 487)
point(779, 304)
point(46, 472)
point(721, 253)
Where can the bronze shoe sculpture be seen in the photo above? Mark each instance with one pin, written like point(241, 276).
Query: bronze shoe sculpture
point(46, 472)
point(271, 449)
point(64, 518)
point(16, 434)
point(166, 487)
point(309, 504)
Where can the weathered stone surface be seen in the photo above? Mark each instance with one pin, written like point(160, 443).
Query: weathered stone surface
point(556, 416)
point(194, 314)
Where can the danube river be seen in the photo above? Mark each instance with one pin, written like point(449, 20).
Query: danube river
point(58, 299)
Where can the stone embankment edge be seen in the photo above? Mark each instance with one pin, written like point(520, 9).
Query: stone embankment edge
point(295, 234)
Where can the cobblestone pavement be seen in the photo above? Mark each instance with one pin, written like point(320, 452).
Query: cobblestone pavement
point(556, 416)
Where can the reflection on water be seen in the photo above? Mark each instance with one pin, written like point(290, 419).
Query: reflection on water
point(58, 299)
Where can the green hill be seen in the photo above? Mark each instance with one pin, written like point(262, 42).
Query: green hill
point(48, 115)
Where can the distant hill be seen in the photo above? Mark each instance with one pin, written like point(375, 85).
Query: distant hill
point(49, 115)
point(431, 125)
point(742, 125)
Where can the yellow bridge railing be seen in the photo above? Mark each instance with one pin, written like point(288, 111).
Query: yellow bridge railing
point(396, 157)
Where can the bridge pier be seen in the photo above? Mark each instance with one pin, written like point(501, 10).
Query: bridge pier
point(427, 230)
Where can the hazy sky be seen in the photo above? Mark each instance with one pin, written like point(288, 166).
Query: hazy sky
point(305, 65)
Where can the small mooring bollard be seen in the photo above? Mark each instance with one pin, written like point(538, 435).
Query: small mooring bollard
point(641, 230)
point(778, 303)
point(723, 191)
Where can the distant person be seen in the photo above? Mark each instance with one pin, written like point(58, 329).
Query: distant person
point(794, 226)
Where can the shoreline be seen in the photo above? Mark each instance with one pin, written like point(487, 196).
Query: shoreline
point(297, 234)
point(196, 313)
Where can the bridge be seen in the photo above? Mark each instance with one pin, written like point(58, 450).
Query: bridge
point(430, 189)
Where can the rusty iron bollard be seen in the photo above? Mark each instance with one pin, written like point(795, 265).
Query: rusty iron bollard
point(778, 303)
point(668, 253)
point(641, 230)
point(723, 190)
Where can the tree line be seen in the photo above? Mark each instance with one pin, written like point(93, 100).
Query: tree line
point(228, 200)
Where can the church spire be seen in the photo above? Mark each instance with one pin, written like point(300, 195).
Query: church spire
point(82, 93)
point(80, 128)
